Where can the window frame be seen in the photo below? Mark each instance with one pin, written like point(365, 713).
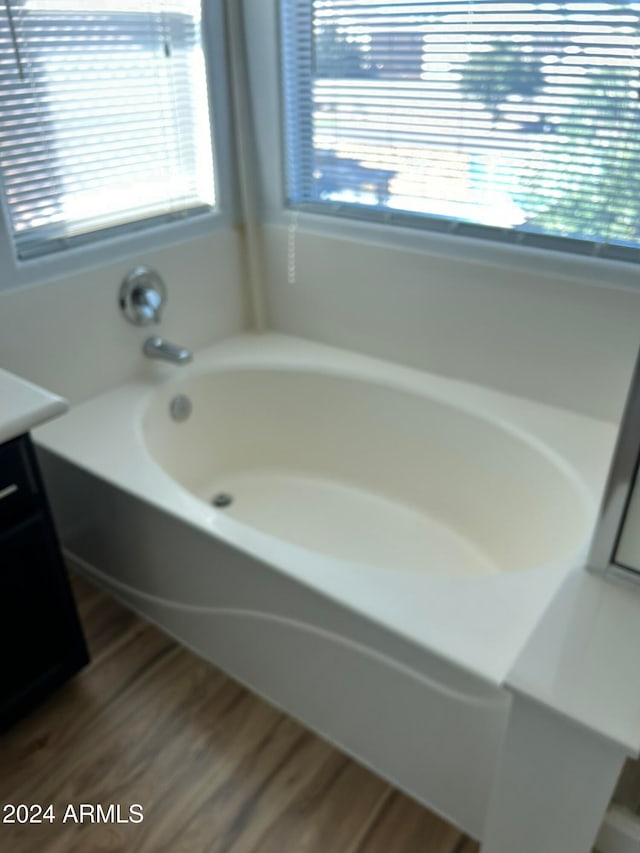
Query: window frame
point(89, 254)
point(616, 508)
point(263, 26)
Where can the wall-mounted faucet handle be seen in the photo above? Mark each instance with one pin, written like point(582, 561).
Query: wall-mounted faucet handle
point(142, 296)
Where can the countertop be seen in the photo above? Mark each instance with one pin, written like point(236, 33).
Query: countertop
point(24, 406)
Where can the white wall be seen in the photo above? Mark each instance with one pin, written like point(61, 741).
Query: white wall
point(562, 341)
point(68, 335)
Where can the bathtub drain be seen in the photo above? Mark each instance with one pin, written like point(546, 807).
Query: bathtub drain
point(222, 500)
point(180, 407)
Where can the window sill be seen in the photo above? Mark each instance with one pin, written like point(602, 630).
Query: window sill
point(93, 255)
point(546, 263)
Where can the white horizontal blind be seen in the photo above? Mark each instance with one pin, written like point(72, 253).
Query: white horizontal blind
point(104, 120)
point(515, 120)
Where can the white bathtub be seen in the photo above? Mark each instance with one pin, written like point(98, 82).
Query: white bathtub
point(392, 540)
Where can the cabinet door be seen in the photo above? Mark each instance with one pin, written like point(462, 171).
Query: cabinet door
point(19, 492)
point(41, 640)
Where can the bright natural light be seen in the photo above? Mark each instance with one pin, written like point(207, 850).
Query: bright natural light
point(106, 119)
point(523, 116)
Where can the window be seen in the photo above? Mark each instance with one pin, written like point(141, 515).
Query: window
point(518, 121)
point(104, 120)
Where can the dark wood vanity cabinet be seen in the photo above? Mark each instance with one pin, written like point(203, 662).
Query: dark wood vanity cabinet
point(41, 640)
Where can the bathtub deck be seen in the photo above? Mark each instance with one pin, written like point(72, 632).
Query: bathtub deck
point(214, 767)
